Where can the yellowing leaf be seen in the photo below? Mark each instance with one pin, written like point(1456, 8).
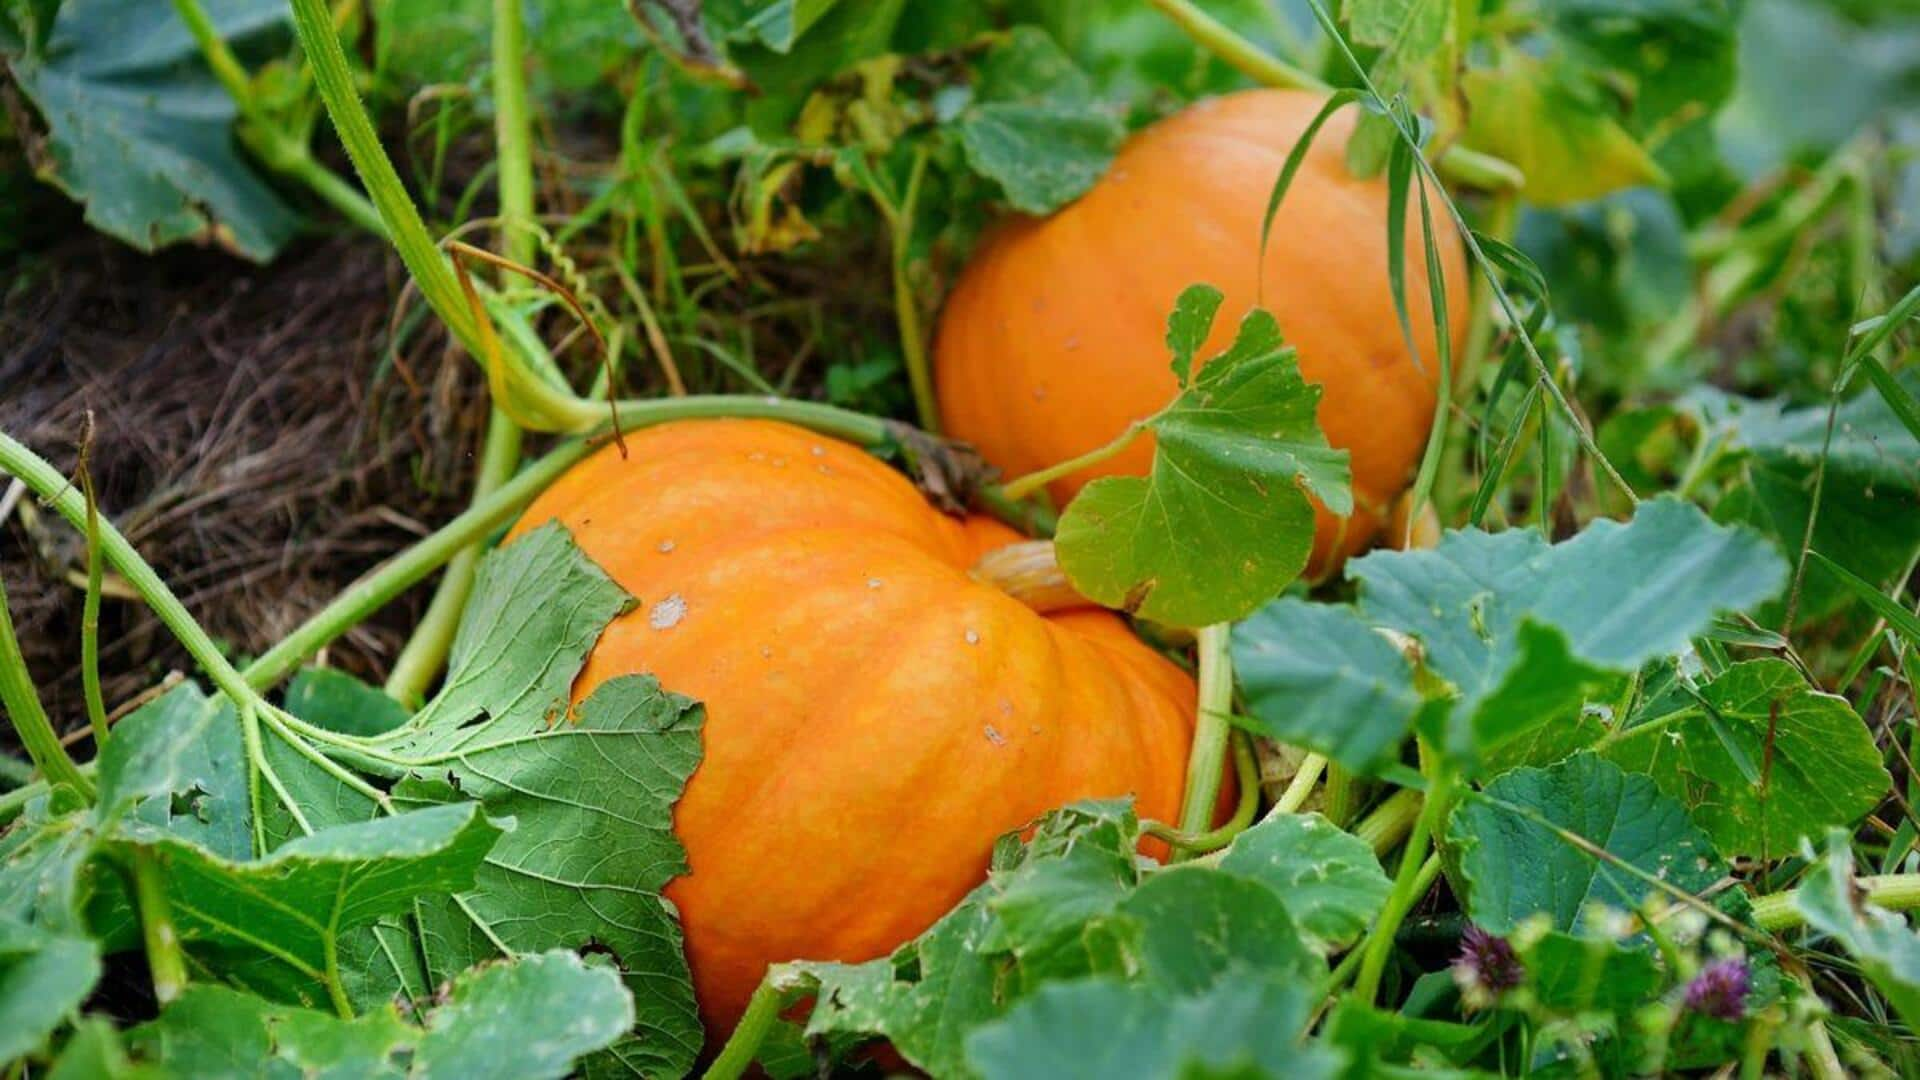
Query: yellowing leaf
point(1569, 148)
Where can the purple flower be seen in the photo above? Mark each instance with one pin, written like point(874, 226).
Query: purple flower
point(1720, 990)
point(1486, 968)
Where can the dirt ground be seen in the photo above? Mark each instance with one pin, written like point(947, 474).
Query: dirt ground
point(251, 436)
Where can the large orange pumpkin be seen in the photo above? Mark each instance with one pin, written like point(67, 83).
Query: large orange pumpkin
point(875, 717)
point(1053, 339)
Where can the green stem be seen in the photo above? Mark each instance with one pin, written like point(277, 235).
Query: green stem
point(1429, 872)
point(1212, 723)
point(1024, 486)
point(1341, 794)
point(90, 618)
point(1406, 893)
point(1301, 786)
point(334, 79)
point(1895, 892)
point(426, 650)
point(1247, 772)
point(1469, 167)
point(367, 595)
point(68, 501)
point(1391, 821)
point(513, 131)
point(278, 148)
point(906, 306)
point(736, 1057)
point(29, 718)
point(165, 960)
point(1243, 55)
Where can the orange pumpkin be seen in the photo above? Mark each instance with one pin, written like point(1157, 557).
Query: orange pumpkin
point(875, 716)
point(1053, 339)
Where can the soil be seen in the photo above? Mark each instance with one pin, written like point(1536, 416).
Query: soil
point(251, 435)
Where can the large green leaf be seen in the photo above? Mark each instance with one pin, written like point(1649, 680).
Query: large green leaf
point(531, 1018)
point(139, 131)
point(1328, 879)
point(538, 605)
point(1244, 1026)
point(181, 758)
point(289, 908)
point(44, 976)
point(1516, 864)
point(1520, 631)
point(1762, 760)
point(1223, 521)
point(1887, 949)
point(1318, 675)
point(592, 848)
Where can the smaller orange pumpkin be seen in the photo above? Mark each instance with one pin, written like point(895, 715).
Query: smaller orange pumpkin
point(876, 717)
point(1053, 339)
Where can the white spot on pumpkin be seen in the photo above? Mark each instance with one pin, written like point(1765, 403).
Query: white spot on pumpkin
point(667, 614)
point(973, 636)
point(666, 546)
point(817, 450)
point(766, 652)
point(994, 736)
point(873, 583)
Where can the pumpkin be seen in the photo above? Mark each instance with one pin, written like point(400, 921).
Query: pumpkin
point(875, 717)
point(1053, 338)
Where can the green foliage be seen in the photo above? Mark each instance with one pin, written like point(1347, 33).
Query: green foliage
point(140, 132)
point(1887, 950)
point(1236, 454)
point(1516, 865)
point(1761, 760)
point(498, 1020)
point(1513, 634)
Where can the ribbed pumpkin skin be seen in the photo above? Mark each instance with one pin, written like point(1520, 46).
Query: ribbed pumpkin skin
point(1054, 337)
point(875, 718)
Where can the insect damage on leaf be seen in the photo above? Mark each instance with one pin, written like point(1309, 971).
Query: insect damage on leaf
point(1224, 519)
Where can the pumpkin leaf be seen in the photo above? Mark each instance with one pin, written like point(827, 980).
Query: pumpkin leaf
point(1570, 148)
point(139, 131)
point(1247, 1025)
point(592, 849)
point(1328, 879)
point(1319, 676)
point(1825, 769)
point(1515, 863)
point(1518, 631)
point(44, 977)
point(1887, 950)
point(1034, 127)
point(332, 699)
point(538, 606)
point(181, 759)
point(289, 907)
point(1237, 453)
point(497, 1020)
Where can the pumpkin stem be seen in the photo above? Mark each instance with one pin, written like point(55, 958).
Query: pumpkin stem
point(1029, 571)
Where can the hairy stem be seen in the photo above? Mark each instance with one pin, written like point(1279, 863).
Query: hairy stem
point(1391, 821)
point(1212, 723)
point(426, 650)
point(30, 721)
point(334, 79)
